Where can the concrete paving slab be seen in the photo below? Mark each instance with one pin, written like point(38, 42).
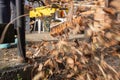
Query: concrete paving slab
point(46, 36)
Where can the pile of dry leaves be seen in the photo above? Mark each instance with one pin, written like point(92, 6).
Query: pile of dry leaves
point(80, 59)
point(72, 60)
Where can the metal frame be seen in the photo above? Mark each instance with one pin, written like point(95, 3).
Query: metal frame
point(21, 29)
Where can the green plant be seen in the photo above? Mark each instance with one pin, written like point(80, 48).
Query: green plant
point(19, 77)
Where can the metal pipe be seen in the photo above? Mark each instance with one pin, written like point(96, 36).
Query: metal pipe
point(21, 29)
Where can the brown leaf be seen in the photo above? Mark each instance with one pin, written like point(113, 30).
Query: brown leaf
point(39, 76)
point(109, 10)
point(40, 67)
point(70, 62)
point(49, 63)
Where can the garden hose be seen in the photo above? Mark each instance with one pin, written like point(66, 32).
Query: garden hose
point(7, 26)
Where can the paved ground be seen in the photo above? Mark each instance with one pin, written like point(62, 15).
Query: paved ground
point(46, 36)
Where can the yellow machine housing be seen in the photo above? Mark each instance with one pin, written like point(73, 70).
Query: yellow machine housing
point(41, 11)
